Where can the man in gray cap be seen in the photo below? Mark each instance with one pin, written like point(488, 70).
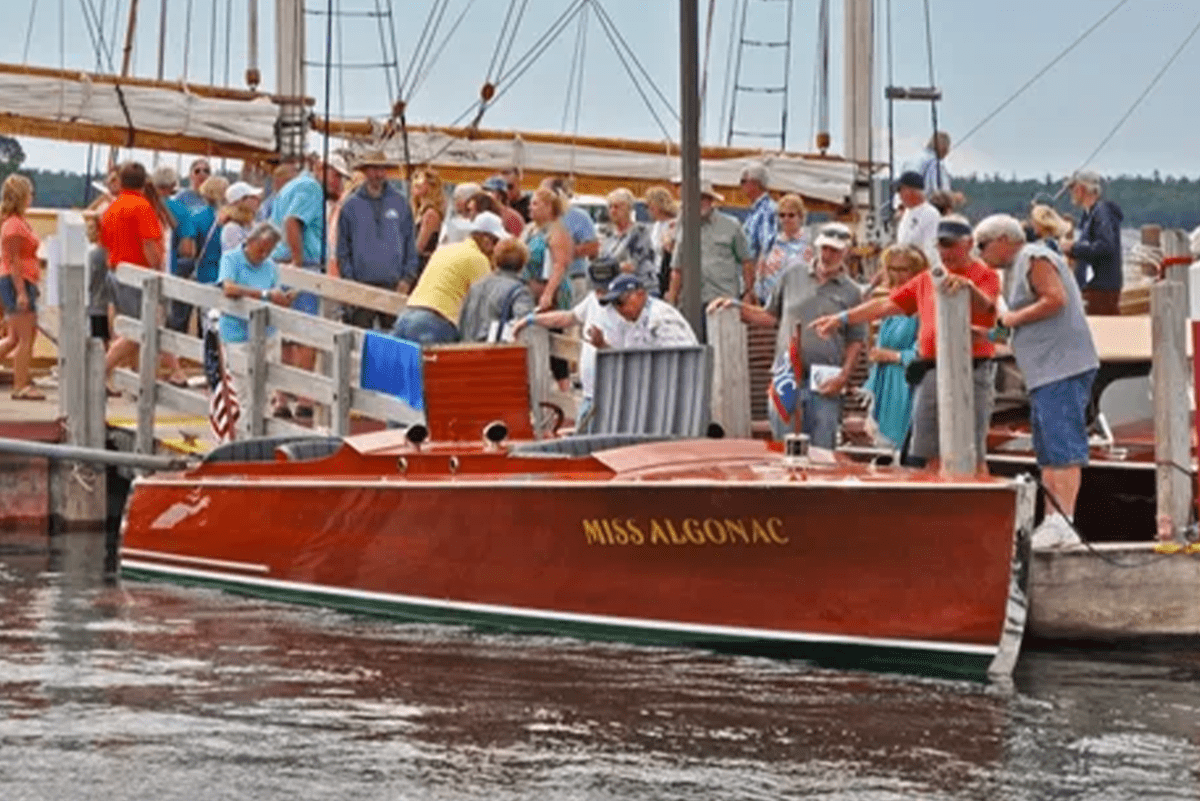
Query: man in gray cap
point(1097, 249)
point(762, 224)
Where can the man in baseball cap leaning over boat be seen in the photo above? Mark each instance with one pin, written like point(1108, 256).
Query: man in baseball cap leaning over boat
point(1053, 346)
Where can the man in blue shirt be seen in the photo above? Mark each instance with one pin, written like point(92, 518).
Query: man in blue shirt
point(197, 175)
point(180, 259)
point(375, 244)
point(762, 224)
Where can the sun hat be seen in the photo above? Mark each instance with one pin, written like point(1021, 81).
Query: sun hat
point(706, 190)
point(373, 158)
point(239, 191)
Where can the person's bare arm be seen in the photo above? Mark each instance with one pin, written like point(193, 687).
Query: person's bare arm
point(1052, 296)
point(153, 251)
point(293, 231)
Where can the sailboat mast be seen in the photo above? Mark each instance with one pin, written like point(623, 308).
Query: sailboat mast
point(857, 107)
point(126, 63)
point(289, 67)
point(689, 160)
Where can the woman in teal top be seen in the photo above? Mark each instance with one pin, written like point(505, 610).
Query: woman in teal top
point(895, 347)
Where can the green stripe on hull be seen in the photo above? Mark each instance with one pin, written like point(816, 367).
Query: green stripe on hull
point(882, 657)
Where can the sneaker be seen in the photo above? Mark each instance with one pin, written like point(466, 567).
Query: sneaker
point(1055, 533)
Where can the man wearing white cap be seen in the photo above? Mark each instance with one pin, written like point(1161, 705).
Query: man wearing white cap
point(1097, 251)
point(435, 304)
point(810, 371)
point(726, 267)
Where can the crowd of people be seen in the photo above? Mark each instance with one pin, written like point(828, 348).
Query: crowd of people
point(491, 259)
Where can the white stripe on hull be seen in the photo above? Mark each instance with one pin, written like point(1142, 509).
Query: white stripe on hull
point(569, 617)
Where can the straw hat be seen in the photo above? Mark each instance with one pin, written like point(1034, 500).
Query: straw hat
point(373, 158)
point(1047, 219)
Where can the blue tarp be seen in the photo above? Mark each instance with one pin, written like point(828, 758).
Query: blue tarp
point(393, 365)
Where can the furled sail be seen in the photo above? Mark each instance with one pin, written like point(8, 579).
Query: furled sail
point(136, 112)
point(599, 163)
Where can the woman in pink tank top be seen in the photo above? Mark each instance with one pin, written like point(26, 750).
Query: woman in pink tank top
point(19, 276)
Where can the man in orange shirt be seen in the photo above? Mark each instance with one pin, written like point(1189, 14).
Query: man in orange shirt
point(131, 232)
point(918, 296)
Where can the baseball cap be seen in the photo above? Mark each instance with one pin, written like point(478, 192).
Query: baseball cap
point(496, 184)
point(911, 179)
point(487, 222)
point(625, 282)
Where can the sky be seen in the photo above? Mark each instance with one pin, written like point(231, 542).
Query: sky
point(983, 51)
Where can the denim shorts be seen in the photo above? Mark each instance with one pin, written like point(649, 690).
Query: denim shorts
point(8, 295)
point(424, 326)
point(1058, 414)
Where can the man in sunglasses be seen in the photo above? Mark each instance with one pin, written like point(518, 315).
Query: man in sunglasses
point(190, 195)
point(919, 296)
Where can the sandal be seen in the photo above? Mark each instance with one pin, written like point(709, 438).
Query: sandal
point(28, 392)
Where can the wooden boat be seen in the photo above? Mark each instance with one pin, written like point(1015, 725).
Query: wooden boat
point(724, 544)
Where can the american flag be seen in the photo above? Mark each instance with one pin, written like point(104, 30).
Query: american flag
point(223, 408)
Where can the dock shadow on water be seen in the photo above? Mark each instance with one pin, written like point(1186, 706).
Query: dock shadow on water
point(123, 690)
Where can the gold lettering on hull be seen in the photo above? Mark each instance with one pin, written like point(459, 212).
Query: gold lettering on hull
point(690, 532)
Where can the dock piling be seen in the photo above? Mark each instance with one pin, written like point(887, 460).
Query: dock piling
point(1172, 430)
point(731, 372)
point(955, 383)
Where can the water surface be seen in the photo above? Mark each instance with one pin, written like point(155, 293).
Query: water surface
point(126, 690)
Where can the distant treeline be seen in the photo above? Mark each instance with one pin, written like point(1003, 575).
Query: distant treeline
point(1167, 201)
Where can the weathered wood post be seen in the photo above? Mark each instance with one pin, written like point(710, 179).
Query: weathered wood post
point(343, 346)
point(1172, 430)
point(955, 386)
point(254, 408)
point(537, 365)
point(731, 371)
point(77, 493)
point(1177, 258)
point(148, 365)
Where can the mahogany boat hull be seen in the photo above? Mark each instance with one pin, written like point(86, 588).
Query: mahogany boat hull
point(907, 574)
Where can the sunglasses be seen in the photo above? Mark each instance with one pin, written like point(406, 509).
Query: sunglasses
point(783, 215)
point(201, 171)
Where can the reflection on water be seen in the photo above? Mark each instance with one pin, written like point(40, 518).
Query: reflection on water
point(127, 690)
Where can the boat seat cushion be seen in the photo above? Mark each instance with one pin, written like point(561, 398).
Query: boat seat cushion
point(584, 444)
point(311, 448)
point(259, 449)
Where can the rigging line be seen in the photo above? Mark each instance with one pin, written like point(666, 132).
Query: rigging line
point(575, 58)
point(548, 37)
point(728, 72)
point(228, 36)
point(29, 31)
point(387, 76)
point(633, 79)
point(340, 39)
point(583, 17)
point(421, 52)
point(437, 54)
point(1079, 40)
point(187, 38)
point(933, 115)
point(543, 42)
point(1179, 50)
point(708, 29)
point(737, 74)
point(512, 4)
point(395, 50)
point(88, 23)
point(602, 13)
point(97, 34)
point(512, 37)
point(325, 142)
point(212, 46)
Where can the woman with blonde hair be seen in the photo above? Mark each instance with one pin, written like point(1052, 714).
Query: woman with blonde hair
point(550, 251)
point(428, 205)
point(895, 348)
point(19, 276)
point(789, 248)
point(665, 213)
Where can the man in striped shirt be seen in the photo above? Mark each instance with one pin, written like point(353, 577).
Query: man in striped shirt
point(763, 222)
